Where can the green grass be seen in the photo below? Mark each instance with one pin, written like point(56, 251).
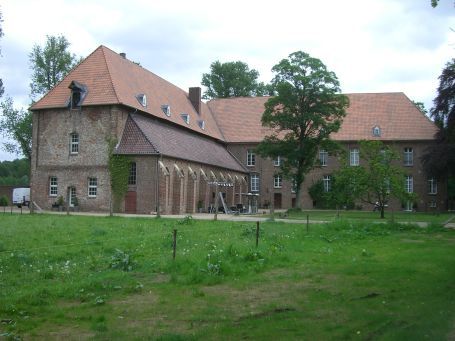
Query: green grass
point(332, 215)
point(114, 278)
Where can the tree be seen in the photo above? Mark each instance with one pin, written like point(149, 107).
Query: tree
point(50, 64)
point(434, 3)
point(232, 79)
point(439, 160)
point(306, 110)
point(377, 179)
point(2, 89)
point(16, 125)
point(421, 107)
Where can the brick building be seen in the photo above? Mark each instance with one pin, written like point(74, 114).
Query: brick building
point(180, 146)
point(388, 117)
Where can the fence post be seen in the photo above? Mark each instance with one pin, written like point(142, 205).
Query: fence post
point(21, 209)
point(174, 244)
point(11, 210)
point(307, 222)
point(257, 233)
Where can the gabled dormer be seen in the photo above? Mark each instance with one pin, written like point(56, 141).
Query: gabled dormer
point(78, 93)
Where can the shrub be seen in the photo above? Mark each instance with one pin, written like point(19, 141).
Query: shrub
point(121, 260)
point(4, 201)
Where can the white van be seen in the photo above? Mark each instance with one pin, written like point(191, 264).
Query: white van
point(21, 197)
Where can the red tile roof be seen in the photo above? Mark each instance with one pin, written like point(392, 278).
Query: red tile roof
point(397, 117)
point(112, 79)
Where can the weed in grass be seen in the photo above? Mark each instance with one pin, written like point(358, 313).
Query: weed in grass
point(121, 260)
point(187, 220)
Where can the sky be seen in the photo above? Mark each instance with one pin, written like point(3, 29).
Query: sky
point(371, 45)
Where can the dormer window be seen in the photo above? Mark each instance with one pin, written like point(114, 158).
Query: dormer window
point(166, 109)
point(201, 124)
point(186, 118)
point(142, 99)
point(376, 131)
point(78, 93)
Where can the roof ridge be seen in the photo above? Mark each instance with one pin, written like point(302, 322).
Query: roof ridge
point(109, 71)
point(216, 122)
point(145, 136)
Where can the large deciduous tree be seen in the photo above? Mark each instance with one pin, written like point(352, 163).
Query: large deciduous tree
point(376, 179)
point(439, 160)
point(307, 108)
point(50, 64)
point(232, 79)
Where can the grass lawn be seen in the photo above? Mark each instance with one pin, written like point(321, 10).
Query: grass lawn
point(331, 215)
point(79, 277)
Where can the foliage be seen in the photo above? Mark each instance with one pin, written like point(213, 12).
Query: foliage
point(303, 114)
point(232, 79)
point(14, 172)
point(439, 159)
point(376, 179)
point(187, 220)
point(50, 64)
point(121, 260)
point(2, 89)
point(16, 125)
point(318, 195)
point(421, 107)
point(4, 201)
point(119, 168)
point(60, 201)
point(434, 3)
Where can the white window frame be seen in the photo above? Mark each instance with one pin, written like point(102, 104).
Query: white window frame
point(432, 186)
point(72, 196)
point(432, 204)
point(408, 156)
point(53, 186)
point(327, 182)
point(250, 158)
point(323, 157)
point(132, 176)
point(294, 186)
point(254, 182)
point(354, 157)
point(74, 143)
point(277, 161)
point(92, 190)
point(408, 206)
point(277, 181)
point(409, 184)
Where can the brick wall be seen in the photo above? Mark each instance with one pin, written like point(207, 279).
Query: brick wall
point(51, 153)
point(266, 170)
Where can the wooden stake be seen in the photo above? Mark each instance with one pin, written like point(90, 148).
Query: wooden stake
point(307, 222)
point(257, 233)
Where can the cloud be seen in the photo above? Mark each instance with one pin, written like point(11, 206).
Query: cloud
point(372, 45)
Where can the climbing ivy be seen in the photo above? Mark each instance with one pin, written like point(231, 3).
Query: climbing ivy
point(119, 168)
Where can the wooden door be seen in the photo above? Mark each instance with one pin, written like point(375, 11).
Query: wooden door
point(130, 202)
point(277, 200)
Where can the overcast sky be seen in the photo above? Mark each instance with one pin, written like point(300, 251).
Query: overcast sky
point(371, 45)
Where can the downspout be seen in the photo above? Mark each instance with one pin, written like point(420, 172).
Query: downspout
point(157, 187)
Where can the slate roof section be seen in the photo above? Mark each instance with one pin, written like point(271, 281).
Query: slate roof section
point(173, 141)
point(112, 79)
point(398, 118)
point(134, 142)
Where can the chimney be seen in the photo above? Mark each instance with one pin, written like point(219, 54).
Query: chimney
point(123, 55)
point(195, 98)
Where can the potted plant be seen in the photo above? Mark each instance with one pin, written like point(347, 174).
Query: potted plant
point(60, 203)
point(75, 204)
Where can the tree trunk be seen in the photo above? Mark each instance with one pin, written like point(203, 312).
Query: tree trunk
point(298, 198)
point(382, 211)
